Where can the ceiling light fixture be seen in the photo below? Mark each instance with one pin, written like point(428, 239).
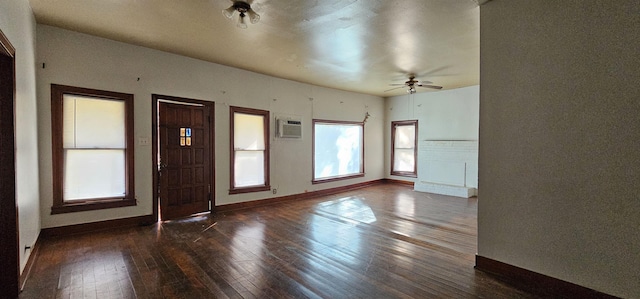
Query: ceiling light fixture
point(244, 9)
point(412, 84)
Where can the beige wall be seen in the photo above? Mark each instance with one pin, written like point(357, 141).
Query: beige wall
point(559, 168)
point(86, 61)
point(18, 24)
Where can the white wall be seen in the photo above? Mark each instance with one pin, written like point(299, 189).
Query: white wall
point(86, 61)
point(442, 115)
point(18, 24)
point(559, 140)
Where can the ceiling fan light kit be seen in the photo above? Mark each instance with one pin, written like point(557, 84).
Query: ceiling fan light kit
point(244, 10)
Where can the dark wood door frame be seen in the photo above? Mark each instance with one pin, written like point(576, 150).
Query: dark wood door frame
point(155, 98)
point(9, 238)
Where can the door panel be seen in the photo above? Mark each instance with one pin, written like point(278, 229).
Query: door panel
point(185, 167)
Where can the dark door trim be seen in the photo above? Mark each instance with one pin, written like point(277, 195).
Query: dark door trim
point(155, 98)
point(9, 237)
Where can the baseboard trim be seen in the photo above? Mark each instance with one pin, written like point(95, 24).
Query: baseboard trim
point(534, 282)
point(450, 190)
point(96, 226)
point(35, 250)
point(396, 181)
point(300, 196)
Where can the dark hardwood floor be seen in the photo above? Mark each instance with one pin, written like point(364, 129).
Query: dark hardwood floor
point(384, 241)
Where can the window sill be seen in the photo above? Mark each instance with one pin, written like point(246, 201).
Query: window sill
point(405, 174)
point(92, 205)
point(249, 189)
point(337, 178)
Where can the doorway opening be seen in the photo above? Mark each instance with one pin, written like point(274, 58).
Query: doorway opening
point(9, 237)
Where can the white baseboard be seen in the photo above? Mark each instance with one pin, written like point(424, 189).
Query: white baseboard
point(458, 191)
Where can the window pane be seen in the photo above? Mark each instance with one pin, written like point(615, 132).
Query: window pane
point(68, 121)
point(338, 150)
point(248, 132)
point(94, 174)
point(93, 122)
point(403, 160)
point(405, 136)
point(249, 168)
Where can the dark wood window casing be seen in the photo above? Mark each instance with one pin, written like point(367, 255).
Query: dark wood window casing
point(394, 125)
point(265, 118)
point(313, 148)
point(59, 204)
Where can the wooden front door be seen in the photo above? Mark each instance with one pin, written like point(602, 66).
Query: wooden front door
point(185, 159)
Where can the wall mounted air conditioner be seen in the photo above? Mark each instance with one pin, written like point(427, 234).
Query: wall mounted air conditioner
point(289, 128)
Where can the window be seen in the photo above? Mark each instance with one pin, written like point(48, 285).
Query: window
point(338, 150)
point(249, 150)
point(404, 149)
point(92, 137)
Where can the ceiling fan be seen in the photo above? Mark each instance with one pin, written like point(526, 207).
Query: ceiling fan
point(412, 83)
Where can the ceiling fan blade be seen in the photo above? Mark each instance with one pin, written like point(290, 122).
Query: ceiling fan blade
point(397, 84)
point(394, 88)
point(433, 71)
point(423, 82)
point(430, 86)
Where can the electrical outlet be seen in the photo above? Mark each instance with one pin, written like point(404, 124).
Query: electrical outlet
point(275, 190)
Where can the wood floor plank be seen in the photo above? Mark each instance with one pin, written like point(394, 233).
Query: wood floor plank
point(382, 241)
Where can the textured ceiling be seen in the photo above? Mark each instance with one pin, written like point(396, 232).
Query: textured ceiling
point(355, 45)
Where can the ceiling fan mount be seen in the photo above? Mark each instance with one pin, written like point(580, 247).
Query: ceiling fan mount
point(412, 83)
